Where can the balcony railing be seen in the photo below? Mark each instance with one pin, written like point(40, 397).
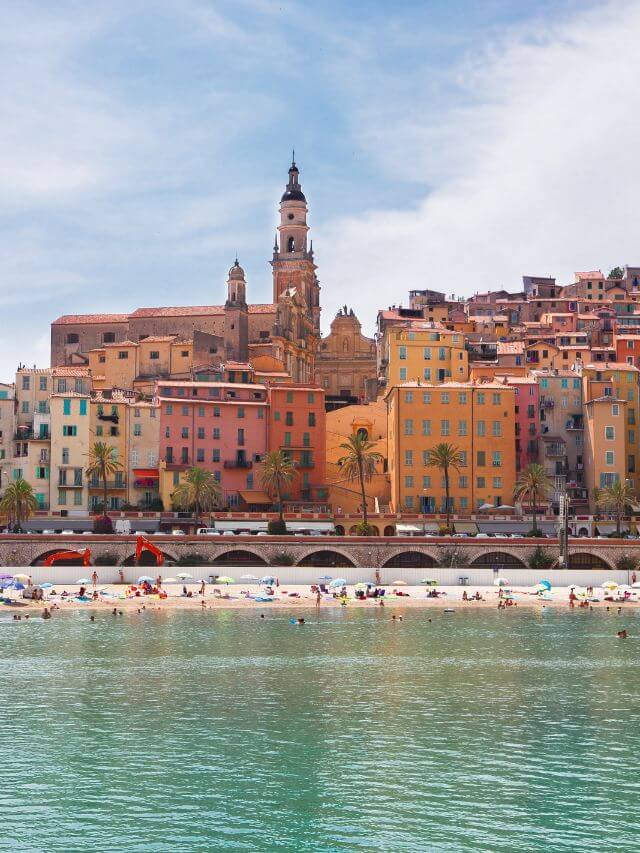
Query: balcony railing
point(111, 484)
point(556, 450)
point(238, 463)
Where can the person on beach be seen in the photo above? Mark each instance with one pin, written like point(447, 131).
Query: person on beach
point(94, 579)
point(46, 614)
point(318, 597)
point(159, 581)
point(121, 576)
point(465, 597)
point(202, 587)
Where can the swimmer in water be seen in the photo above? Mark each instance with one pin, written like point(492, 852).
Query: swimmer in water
point(262, 615)
point(300, 620)
point(92, 618)
point(623, 634)
point(46, 613)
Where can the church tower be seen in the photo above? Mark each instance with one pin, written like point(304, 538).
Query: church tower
point(293, 265)
point(236, 316)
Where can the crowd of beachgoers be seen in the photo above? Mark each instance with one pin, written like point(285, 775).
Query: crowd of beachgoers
point(18, 593)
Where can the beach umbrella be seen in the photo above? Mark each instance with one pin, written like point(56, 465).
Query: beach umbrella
point(248, 578)
point(624, 587)
point(83, 581)
point(268, 580)
point(399, 583)
point(429, 581)
point(636, 585)
point(46, 585)
point(363, 585)
point(184, 576)
point(21, 577)
point(170, 580)
point(609, 585)
point(225, 579)
point(501, 582)
point(545, 584)
point(145, 578)
point(338, 582)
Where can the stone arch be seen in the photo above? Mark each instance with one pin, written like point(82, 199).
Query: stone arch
point(587, 560)
point(238, 557)
point(373, 530)
point(390, 530)
point(327, 559)
point(39, 560)
point(503, 559)
point(339, 530)
point(410, 560)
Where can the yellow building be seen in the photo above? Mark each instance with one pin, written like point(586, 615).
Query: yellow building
point(479, 420)
point(142, 456)
point(70, 439)
point(622, 382)
point(370, 420)
point(109, 424)
point(137, 364)
point(423, 352)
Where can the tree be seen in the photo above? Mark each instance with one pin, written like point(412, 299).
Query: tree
point(359, 463)
point(103, 463)
point(445, 456)
point(199, 490)
point(616, 272)
point(278, 470)
point(18, 502)
point(533, 483)
point(615, 498)
point(541, 560)
point(453, 558)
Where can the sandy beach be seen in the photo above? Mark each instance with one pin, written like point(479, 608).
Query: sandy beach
point(243, 596)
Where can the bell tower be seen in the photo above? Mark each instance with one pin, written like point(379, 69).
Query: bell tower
point(293, 264)
point(236, 316)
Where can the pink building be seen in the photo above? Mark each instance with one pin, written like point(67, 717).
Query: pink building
point(527, 419)
point(219, 426)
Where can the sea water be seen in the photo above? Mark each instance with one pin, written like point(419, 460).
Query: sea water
point(510, 731)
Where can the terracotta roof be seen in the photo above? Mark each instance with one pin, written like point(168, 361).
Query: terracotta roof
point(73, 319)
point(120, 344)
point(178, 311)
point(510, 347)
point(160, 339)
point(72, 371)
point(612, 365)
point(238, 365)
point(590, 274)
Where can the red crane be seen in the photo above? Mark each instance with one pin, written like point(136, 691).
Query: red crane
point(59, 556)
point(143, 544)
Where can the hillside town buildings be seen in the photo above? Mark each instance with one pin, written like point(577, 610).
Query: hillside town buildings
point(546, 373)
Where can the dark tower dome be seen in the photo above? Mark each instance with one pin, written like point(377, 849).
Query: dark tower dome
point(293, 191)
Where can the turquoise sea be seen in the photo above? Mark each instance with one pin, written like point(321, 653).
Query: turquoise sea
point(475, 731)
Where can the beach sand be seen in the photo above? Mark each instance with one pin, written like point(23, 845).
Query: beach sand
point(303, 599)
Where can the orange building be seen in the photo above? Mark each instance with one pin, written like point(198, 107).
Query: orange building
point(479, 420)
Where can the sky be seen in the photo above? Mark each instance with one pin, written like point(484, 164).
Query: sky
point(445, 145)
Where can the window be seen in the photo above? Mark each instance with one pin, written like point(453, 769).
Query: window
point(408, 397)
point(425, 457)
point(609, 457)
point(427, 374)
point(576, 384)
point(83, 407)
point(609, 433)
point(408, 426)
point(445, 428)
point(426, 353)
point(402, 353)
point(544, 383)
point(408, 482)
point(607, 480)
point(69, 430)
point(62, 386)
point(497, 482)
point(496, 429)
point(481, 428)
point(109, 338)
point(464, 503)
point(137, 429)
point(200, 432)
point(463, 458)
point(288, 418)
point(289, 396)
point(66, 407)
point(462, 428)
point(311, 397)
point(426, 427)
point(564, 383)
point(25, 407)
point(169, 457)
point(615, 411)
point(444, 397)
point(200, 454)
point(169, 409)
point(154, 355)
point(287, 439)
point(241, 411)
point(123, 354)
point(184, 455)
point(216, 411)
point(462, 398)
point(442, 353)
point(184, 432)
point(480, 483)
point(403, 374)
point(481, 459)
point(632, 436)
point(496, 399)
point(215, 454)
point(26, 383)
point(480, 398)
point(408, 458)
point(463, 482)
point(43, 383)
point(497, 459)
point(531, 412)
point(216, 433)
point(426, 396)
point(185, 411)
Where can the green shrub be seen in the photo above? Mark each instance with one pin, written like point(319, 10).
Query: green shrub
point(535, 534)
point(192, 560)
point(364, 529)
point(282, 558)
point(626, 563)
point(277, 528)
point(541, 560)
point(107, 559)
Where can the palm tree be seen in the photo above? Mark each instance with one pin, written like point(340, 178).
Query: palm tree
point(199, 489)
point(616, 497)
point(533, 483)
point(103, 463)
point(18, 501)
point(445, 456)
point(359, 463)
point(277, 470)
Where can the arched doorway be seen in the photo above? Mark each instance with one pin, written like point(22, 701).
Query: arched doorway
point(339, 530)
point(499, 560)
point(587, 561)
point(410, 560)
point(327, 560)
point(238, 558)
point(389, 530)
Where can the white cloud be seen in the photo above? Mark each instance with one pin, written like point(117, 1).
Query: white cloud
point(535, 173)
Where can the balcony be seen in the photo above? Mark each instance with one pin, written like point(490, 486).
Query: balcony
point(558, 449)
point(112, 485)
point(574, 423)
point(237, 463)
point(70, 485)
point(23, 434)
point(114, 419)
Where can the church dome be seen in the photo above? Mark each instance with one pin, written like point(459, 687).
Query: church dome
point(236, 272)
point(293, 195)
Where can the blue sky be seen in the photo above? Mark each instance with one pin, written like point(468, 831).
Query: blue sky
point(454, 145)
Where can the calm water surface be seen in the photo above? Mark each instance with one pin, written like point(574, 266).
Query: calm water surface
point(221, 731)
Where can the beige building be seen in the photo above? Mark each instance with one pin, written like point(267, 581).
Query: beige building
point(370, 420)
point(33, 389)
point(7, 428)
point(142, 458)
point(346, 359)
point(604, 440)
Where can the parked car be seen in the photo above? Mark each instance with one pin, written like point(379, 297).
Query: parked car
point(208, 531)
point(178, 532)
point(67, 532)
